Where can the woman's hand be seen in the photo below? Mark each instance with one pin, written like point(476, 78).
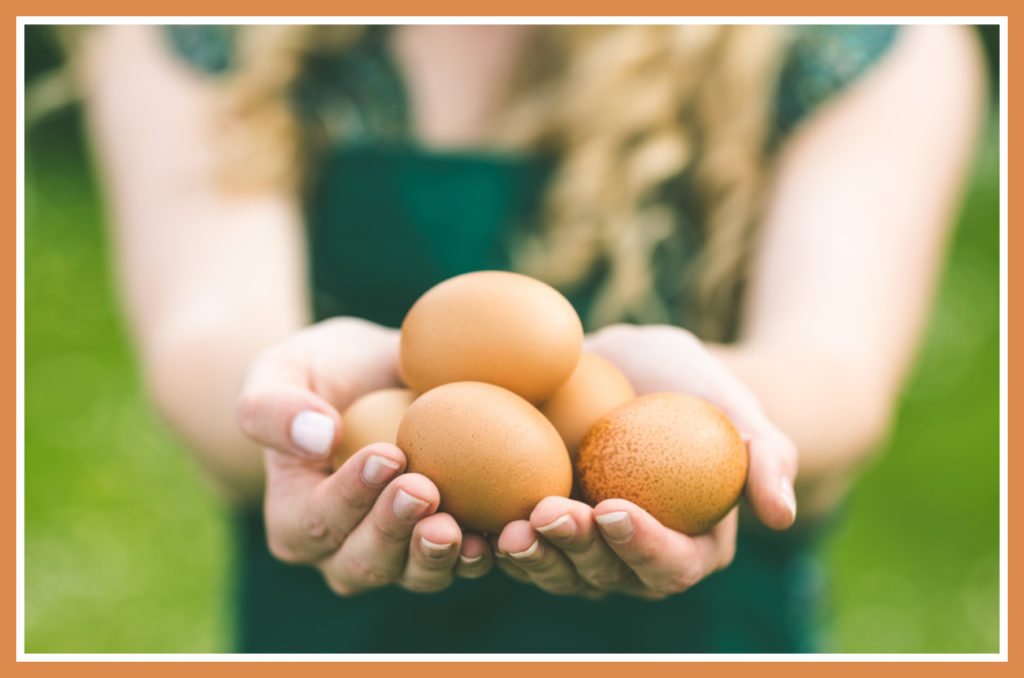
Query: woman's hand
point(367, 524)
point(566, 547)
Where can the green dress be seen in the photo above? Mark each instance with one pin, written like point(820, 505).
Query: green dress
point(387, 220)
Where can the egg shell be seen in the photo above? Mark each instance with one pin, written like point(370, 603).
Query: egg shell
point(595, 388)
point(372, 418)
point(675, 455)
point(496, 327)
point(492, 455)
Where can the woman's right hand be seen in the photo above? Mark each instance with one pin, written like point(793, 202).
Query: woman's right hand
point(368, 524)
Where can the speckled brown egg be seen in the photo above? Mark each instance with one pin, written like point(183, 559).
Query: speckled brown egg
point(595, 388)
point(373, 418)
point(675, 455)
point(496, 327)
point(492, 455)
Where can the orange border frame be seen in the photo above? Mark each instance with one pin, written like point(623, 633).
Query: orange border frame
point(101, 8)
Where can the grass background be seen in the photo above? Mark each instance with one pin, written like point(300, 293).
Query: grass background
point(127, 547)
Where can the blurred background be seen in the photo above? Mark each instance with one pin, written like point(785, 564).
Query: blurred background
point(127, 546)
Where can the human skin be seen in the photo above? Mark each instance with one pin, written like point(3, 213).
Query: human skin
point(847, 259)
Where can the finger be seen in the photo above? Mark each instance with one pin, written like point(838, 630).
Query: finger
point(375, 552)
point(773, 456)
point(545, 565)
point(278, 409)
point(666, 561)
point(769, 489)
point(433, 554)
point(570, 526)
point(475, 559)
point(506, 565)
point(309, 513)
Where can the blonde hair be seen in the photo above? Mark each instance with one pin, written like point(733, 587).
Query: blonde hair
point(633, 112)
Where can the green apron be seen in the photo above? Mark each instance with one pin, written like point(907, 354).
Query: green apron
point(386, 222)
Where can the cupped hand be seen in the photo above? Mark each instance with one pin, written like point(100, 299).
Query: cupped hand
point(567, 547)
point(368, 524)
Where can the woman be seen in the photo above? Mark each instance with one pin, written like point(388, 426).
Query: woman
point(783, 193)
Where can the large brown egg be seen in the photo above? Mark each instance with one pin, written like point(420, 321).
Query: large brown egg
point(675, 455)
point(492, 455)
point(595, 388)
point(495, 327)
point(373, 418)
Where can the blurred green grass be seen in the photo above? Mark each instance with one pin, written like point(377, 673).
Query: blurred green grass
point(127, 547)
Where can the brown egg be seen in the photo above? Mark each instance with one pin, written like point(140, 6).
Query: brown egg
point(595, 388)
point(373, 418)
point(495, 327)
point(675, 455)
point(492, 455)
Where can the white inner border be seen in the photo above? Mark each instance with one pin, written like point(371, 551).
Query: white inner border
point(1003, 347)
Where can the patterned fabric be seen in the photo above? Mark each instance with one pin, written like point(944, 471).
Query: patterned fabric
point(359, 97)
point(823, 60)
point(211, 49)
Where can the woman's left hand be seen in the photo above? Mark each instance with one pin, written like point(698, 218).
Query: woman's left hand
point(567, 547)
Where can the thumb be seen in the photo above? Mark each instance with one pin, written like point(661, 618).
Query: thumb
point(770, 480)
point(277, 409)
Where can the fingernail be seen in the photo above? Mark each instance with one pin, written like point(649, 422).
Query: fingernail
point(466, 560)
point(377, 470)
point(406, 506)
point(786, 489)
point(432, 549)
point(616, 525)
point(532, 550)
point(562, 528)
point(313, 432)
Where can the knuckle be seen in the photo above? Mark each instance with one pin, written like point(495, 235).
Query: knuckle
point(357, 503)
point(371, 575)
point(282, 551)
point(728, 555)
point(643, 557)
point(248, 411)
point(561, 586)
point(427, 585)
point(606, 577)
point(314, 527)
point(682, 581)
point(339, 587)
point(392, 533)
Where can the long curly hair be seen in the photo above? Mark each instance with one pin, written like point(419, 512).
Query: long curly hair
point(632, 112)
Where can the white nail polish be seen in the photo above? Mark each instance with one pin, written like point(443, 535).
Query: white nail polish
point(378, 470)
point(431, 546)
point(466, 560)
point(616, 526)
point(313, 432)
point(528, 552)
point(787, 495)
point(610, 518)
point(554, 525)
point(406, 506)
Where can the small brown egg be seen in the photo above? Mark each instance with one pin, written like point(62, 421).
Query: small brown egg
point(595, 388)
point(373, 418)
point(675, 455)
point(492, 455)
point(496, 327)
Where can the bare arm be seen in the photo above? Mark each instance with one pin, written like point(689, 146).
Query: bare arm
point(208, 279)
point(852, 245)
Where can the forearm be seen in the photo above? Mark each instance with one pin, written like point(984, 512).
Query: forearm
point(834, 409)
point(194, 377)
